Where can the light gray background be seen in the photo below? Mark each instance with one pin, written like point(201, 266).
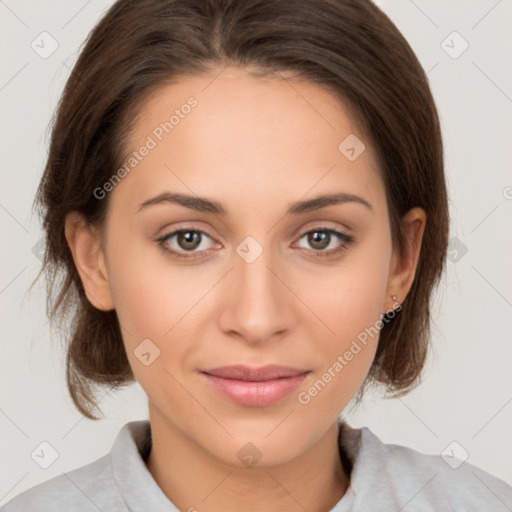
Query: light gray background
point(467, 394)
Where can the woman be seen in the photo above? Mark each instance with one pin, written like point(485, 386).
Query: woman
point(248, 202)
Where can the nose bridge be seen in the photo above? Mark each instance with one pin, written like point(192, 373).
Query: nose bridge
point(258, 304)
point(252, 266)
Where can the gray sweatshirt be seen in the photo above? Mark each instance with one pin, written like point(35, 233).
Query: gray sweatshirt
point(384, 477)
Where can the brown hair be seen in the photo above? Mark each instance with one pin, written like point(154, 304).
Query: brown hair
point(349, 47)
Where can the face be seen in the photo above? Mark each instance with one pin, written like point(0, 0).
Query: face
point(248, 282)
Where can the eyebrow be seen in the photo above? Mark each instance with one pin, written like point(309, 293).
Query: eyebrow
point(202, 204)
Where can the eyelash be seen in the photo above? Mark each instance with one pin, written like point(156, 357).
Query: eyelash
point(347, 239)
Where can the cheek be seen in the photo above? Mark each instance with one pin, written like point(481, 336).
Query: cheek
point(158, 301)
point(150, 292)
point(347, 302)
point(347, 298)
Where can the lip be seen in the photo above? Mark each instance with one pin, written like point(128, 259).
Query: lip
point(255, 387)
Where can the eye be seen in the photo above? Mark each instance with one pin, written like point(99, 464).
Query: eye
point(188, 241)
point(321, 238)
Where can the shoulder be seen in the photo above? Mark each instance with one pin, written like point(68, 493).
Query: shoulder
point(87, 488)
point(424, 481)
point(387, 476)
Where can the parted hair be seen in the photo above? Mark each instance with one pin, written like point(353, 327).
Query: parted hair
point(350, 47)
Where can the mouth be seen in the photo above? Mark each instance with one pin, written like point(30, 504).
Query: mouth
point(255, 387)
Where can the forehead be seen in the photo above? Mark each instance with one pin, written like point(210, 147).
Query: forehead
point(228, 131)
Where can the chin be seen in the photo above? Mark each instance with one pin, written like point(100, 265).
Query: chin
point(261, 447)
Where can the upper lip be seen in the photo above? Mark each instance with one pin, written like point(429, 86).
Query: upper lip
point(241, 372)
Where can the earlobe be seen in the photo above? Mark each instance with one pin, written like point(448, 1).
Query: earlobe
point(404, 265)
point(86, 248)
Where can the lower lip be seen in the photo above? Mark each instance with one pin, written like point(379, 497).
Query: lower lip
point(256, 394)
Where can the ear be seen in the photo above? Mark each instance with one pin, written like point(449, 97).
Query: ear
point(403, 266)
point(86, 248)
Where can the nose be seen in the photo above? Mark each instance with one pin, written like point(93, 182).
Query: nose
point(260, 305)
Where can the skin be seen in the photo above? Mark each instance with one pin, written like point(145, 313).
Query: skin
point(256, 145)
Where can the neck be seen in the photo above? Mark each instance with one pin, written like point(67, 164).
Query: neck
point(192, 478)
